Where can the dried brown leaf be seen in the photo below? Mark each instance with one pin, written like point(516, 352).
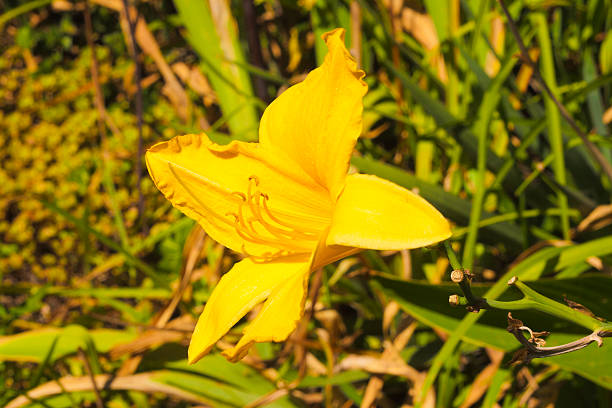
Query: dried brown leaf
point(582, 309)
point(497, 39)
point(139, 382)
point(607, 116)
point(597, 219)
point(526, 71)
point(483, 379)
point(422, 28)
point(146, 41)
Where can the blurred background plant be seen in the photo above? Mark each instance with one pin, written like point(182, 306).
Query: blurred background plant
point(101, 280)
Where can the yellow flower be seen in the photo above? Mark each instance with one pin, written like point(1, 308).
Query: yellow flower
point(287, 202)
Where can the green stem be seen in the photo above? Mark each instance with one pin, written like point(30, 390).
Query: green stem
point(547, 305)
point(553, 117)
point(539, 168)
point(24, 8)
point(519, 153)
point(109, 186)
point(452, 85)
point(452, 256)
point(496, 219)
point(532, 300)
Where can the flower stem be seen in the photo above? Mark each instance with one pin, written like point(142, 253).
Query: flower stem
point(546, 305)
point(452, 256)
point(531, 300)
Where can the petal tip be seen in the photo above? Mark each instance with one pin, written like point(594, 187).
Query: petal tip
point(334, 40)
point(336, 32)
point(238, 352)
point(194, 355)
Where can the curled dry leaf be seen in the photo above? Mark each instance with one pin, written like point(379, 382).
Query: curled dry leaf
point(497, 38)
point(194, 78)
point(581, 308)
point(483, 379)
point(526, 71)
point(607, 116)
point(176, 330)
point(377, 365)
point(422, 28)
point(599, 218)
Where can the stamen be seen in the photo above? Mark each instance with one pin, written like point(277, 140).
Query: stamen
point(290, 234)
point(275, 219)
point(255, 179)
point(257, 227)
point(240, 195)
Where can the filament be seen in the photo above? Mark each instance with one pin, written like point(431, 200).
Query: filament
point(259, 227)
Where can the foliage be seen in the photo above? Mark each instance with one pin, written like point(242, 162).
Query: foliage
point(101, 277)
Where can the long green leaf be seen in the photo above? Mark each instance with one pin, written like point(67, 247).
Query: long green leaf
point(216, 41)
point(34, 345)
point(553, 116)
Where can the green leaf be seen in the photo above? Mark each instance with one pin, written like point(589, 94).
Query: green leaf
point(605, 54)
point(220, 394)
point(33, 345)
point(217, 367)
point(216, 41)
point(439, 15)
point(242, 383)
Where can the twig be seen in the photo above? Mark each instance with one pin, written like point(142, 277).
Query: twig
point(133, 47)
point(95, 76)
point(256, 57)
point(462, 277)
point(592, 149)
point(534, 346)
point(96, 82)
point(302, 331)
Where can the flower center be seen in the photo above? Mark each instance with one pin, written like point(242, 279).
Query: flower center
point(256, 223)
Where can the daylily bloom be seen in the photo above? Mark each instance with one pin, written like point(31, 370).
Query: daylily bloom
point(287, 202)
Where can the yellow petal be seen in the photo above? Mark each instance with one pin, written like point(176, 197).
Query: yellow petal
point(215, 184)
point(318, 121)
point(378, 214)
point(278, 317)
point(244, 286)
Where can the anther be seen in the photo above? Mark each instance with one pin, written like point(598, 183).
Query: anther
point(231, 214)
point(240, 195)
point(255, 179)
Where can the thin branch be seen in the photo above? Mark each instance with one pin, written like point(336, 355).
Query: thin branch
point(534, 346)
point(95, 79)
point(133, 47)
point(592, 149)
point(256, 57)
point(95, 76)
point(463, 277)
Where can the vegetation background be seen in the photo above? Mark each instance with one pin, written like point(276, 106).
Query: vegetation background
point(101, 280)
